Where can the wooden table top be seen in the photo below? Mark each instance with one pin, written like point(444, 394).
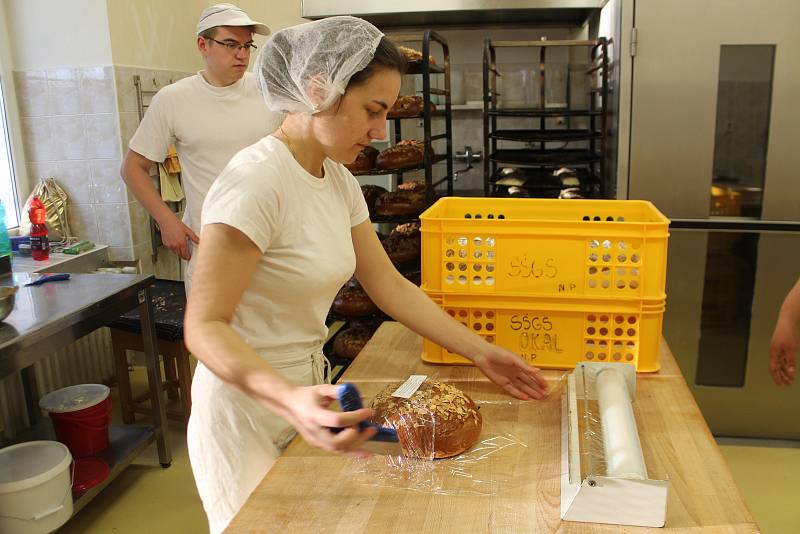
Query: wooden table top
point(518, 489)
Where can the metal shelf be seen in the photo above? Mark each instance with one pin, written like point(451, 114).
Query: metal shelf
point(545, 135)
point(437, 113)
point(394, 219)
point(543, 112)
point(547, 182)
point(594, 133)
point(125, 442)
point(545, 157)
point(418, 67)
point(541, 43)
point(438, 158)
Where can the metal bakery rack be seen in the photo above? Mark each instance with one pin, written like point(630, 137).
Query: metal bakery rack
point(580, 131)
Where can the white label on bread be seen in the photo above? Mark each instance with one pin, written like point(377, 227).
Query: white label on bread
point(410, 386)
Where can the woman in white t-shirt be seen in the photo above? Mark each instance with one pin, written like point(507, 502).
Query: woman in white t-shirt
point(283, 227)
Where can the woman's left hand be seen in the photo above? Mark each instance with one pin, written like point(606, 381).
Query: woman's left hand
point(512, 373)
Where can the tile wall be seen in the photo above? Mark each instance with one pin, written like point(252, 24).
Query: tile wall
point(168, 265)
point(76, 124)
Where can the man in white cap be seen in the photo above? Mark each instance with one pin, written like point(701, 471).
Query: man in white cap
point(209, 117)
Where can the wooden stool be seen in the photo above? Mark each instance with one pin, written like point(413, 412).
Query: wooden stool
point(169, 303)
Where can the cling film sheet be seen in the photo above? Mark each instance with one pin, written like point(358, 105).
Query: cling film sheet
point(500, 456)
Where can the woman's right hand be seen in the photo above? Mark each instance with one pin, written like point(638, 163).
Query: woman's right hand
point(309, 414)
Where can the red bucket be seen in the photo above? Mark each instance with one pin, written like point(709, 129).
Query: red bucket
point(81, 415)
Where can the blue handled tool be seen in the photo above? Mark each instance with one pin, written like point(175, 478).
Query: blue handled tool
point(385, 441)
point(48, 278)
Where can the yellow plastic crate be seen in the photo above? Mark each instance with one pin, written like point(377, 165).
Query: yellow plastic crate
point(543, 248)
point(558, 333)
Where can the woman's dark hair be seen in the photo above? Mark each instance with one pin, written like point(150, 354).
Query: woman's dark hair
point(387, 56)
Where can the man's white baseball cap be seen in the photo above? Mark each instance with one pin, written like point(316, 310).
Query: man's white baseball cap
point(228, 15)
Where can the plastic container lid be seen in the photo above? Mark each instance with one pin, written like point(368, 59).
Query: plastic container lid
point(31, 463)
point(74, 398)
point(89, 472)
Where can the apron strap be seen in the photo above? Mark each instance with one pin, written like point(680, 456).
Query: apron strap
point(320, 368)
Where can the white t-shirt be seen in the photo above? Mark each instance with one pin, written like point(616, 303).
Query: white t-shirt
point(208, 125)
point(302, 226)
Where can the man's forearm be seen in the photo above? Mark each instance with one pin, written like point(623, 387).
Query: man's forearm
point(141, 185)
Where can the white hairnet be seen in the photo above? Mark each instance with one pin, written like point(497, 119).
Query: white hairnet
point(305, 68)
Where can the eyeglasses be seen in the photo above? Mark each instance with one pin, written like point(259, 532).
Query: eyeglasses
point(234, 47)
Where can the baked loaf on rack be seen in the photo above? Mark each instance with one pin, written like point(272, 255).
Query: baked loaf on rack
point(404, 243)
point(413, 55)
point(364, 162)
point(404, 155)
point(438, 421)
point(349, 342)
point(371, 195)
point(353, 301)
point(408, 200)
point(409, 106)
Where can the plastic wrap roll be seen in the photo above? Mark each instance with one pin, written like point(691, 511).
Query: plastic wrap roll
point(621, 445)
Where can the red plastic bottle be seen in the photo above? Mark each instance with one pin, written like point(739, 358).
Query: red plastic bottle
point(40, 244)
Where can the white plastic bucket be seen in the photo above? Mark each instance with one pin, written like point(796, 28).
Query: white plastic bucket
point(35, 487)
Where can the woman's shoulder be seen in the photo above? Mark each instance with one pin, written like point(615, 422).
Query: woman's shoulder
point(258, 167)
point(340, 173)
point(263, 157)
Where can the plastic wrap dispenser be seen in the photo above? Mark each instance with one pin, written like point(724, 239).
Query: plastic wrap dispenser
point(603, 475)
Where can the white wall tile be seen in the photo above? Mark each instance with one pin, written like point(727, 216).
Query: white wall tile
point(128, 123)
point(102, 136)
point(109, 187)
point(83, 221)
point(63, 91)
point(31, 89)
point(76, 180)
point(126, 92)
point(140, 223)
point(143, 253)
point(114, 225)
point(97, 90)
point(37, 139)
point(121, 254)
point(39, 171)
point(68, 137)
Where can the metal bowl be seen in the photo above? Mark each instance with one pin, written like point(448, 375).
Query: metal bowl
point(7, 296)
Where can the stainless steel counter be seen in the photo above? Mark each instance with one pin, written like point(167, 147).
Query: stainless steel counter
point(48, 317)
